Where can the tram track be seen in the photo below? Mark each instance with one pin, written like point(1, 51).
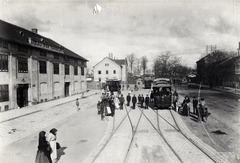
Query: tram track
point(171, 127)
point(120, 140)
point(110, 137)
point(157, 129)
point(177, 148)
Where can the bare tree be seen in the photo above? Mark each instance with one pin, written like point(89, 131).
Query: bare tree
point(89, 72)
point(144, 61)
point(138, 67)
point(131, 59)
point(169, 66)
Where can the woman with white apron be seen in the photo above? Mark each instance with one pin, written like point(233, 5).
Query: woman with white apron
point(52, 139)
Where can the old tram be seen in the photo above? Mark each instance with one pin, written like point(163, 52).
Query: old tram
point(162, 90)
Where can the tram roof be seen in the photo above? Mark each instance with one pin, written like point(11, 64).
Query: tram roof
point(113, 80)
point(162, 85)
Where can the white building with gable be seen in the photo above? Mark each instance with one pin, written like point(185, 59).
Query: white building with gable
point(111, 68)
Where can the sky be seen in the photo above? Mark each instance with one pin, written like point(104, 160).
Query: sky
point(143, 27)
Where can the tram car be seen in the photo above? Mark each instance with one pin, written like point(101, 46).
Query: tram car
point(113, 85)
point(162, 90)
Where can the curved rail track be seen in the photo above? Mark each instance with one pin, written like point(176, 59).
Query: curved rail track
point(188, 151)
point(149, 136)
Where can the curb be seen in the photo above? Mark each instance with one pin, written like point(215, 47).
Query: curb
point(90, 158)
point(35, 111)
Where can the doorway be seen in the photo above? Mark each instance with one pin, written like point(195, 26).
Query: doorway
point(22, 95)
point(66, 89)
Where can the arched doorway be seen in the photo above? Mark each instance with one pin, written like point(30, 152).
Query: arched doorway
point(22, 95)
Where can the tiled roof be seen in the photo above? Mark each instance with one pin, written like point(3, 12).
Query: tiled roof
point(230, 61)
point(119, 61)
point(20, 35)
point(203, 58)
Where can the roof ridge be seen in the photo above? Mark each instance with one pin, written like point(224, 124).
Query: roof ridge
point(11, 32)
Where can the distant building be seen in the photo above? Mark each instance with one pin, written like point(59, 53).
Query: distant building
point(219, 71)
point(109, 68)
point(36, 69)
point(230, 72)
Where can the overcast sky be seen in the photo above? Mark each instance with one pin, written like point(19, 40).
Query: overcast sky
point(142, 27)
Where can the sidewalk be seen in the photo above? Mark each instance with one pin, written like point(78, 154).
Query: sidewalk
point(16, 113)
point(217, 88)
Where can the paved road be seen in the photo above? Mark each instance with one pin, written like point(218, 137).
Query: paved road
point(222, 130)
point(80, 133)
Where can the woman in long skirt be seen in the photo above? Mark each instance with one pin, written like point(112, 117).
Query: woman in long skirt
point(52, 139)
point(43, 153)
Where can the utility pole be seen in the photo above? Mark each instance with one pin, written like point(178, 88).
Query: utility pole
point(238, 48)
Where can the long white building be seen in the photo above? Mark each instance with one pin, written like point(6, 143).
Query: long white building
point(35, 69)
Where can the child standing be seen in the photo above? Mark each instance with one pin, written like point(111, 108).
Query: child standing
point(77, 103)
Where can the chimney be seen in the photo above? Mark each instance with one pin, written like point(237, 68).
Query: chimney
point(110, 55)
point(35, 30)
point(29, 40)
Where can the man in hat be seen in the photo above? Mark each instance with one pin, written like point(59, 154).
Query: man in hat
point(134, 100)
point(195, 104)
point(128, 99)
point(146, 102)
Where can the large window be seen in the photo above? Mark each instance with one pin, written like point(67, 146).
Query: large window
point(4, 93)
point(3, 44)
point(43, 67)
point(82, 71)
point(22, 48)
point(3, 63)
point(43, 53)
point(56, 56)
point(55, 68)
point(106, 71)
point(75, 70)
point(22, 65)
point(66, 69)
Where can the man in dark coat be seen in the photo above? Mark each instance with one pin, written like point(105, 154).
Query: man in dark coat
point(202, 106)
point(185, 105)
point(122, 100)
point(139, 99)
point(128, 99)
point(175, 100)
point(142, 101)
point(134, 100)
point(146, 102)
point(151, 97)
point(195, 104)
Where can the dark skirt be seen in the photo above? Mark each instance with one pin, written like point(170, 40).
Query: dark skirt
point(43, 157)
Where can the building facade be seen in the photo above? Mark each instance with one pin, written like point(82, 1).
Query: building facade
point(219, 69)
point(109, 68)
point(35, 69)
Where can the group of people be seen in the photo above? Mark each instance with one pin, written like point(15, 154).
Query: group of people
point(110, 102)
point(107, 105)
point(200, 108)
point(47, 147)
point(140, 100)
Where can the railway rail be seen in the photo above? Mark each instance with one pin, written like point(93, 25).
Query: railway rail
point(151, 136)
